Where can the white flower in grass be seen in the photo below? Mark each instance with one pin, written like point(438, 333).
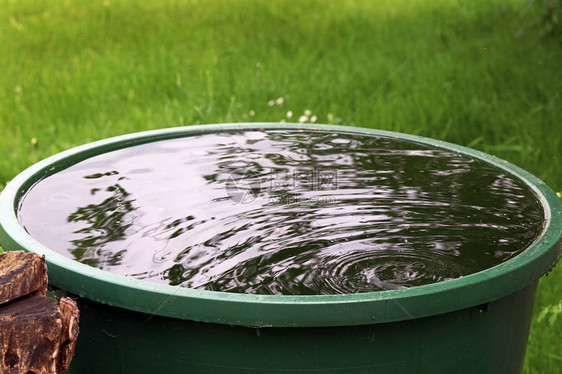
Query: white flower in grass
point(279, 101)
point(289, 114)
point(307, 112)
point(303, 119)
point(271, 102)
point(252, 113)
point(282, 121)
point(313, 119)
point(330, 117)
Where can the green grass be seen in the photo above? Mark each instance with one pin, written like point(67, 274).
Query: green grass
point(477, 73)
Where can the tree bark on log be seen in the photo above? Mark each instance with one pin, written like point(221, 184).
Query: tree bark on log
point(70, 318)
point(36, 334)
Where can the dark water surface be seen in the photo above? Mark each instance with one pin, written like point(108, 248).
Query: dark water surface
point(284, 212)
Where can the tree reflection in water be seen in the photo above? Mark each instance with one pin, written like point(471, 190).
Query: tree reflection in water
point(102, 224)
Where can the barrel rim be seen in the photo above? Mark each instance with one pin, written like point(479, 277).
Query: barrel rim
point(287, 310)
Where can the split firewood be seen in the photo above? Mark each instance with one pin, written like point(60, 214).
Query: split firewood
point(37, 336)
point(21, 273)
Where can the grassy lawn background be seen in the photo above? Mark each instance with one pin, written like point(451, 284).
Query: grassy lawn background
point(477, 73)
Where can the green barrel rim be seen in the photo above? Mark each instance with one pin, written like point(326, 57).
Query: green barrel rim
point(282, 311)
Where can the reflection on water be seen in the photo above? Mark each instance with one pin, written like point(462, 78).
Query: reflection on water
point(284, 212)
point(100, 225)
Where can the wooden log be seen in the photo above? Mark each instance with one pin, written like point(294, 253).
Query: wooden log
point(37, 336)
point(21, 273)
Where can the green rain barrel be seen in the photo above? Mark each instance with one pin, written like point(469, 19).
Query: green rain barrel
point(477, 323)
